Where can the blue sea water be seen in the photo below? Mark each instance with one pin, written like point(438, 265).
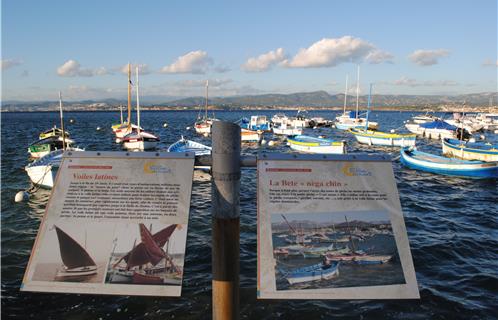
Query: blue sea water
point(452, 226)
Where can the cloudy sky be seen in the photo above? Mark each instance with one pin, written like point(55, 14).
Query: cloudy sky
point(403, 47)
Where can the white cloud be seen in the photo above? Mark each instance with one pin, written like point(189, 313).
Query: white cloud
point(332, 52)
point(409, 82)
point(428, 57)
point(196, 62)
point(264, 61)
point(490, 63)
point(379, 56)
point(71, 68)
point(9, 63)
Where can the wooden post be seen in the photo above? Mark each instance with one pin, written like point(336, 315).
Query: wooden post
point(225, 198)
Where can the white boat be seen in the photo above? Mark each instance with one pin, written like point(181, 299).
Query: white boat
point(203, 124)
point(199, 149)
point(424, 118)
point(250, 135)
point(352, 119)
point(139, 140)
point(280, 119)
point(489, 121)
point(256, 123)
point(284, 129)
point(435, 130)
point(316, 145)
point(126, 127)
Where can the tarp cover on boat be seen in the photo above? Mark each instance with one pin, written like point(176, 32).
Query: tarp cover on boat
point(438, 124)
point(72, 253)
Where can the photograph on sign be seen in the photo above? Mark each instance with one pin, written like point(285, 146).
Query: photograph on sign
point(142, 255)
point(331, 230)
point(332, 250)
point(116, 223)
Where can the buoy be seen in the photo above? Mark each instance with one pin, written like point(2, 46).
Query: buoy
point(393, 131)
point(472, 140)
point(263, 142)
point(483, 137)
point(206, 134)
point(98, 128)
point(315, 127)
point(271, 143)
point(21, 196)
point(496, 131)
point(321, 137)
point(188, 128)
point(165, 125)
point(71, 120)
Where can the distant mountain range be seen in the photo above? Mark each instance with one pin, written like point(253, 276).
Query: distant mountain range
point(316, 99)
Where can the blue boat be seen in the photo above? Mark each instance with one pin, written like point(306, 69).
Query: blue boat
point(418, 160)
point(316, 145)
point(315, 272)
point(481, 151)
point(184, 145)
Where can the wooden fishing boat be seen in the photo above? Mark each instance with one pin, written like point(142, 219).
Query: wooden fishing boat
point(250, 135)
point(53, 132)
point(316, 145)
point(44, 146)
point(77, 263)
point(140, 140)
point(203, 124)
point(126, 127)
point(314, 272)
point(199, 149)
point(470, 150)
point(448, 166)
point(379, 138)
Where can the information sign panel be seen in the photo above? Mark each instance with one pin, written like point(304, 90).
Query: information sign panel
point(116, 223)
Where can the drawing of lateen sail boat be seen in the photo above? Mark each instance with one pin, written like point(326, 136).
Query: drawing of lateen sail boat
point(77, 263)
point(148, 262)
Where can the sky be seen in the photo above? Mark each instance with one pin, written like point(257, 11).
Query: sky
point(252, 47)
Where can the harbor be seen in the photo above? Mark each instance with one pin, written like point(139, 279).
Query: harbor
point(447, 218)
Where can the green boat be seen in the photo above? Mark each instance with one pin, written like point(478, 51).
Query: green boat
point(44, 146)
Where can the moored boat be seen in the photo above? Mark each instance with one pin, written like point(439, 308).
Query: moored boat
point(380, 138)
point(53, 132)
point(320, 271)
point(418, 160)
point(316, 145)
point(250, 135)
point(470, 150)
point(44, 146)
point(199, 149)
point(286, 130)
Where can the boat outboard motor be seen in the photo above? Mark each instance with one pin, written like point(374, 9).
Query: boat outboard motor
point(462, 134)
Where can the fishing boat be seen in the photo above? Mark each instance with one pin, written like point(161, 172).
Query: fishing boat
point(287, 130)
point(256, 123)
point(44, 146)
point(148, 262)
point(437, 130)
point(203, 124)
point(250, 135)
point(482, 151)
point(317, 252)
point(418, 160)
point(424, 118)
point(199, 149)
point(316, 145)
point(353, 119)
point(53, 132)
point(126, 127)
point(77, 263)
point(140, 140)
point(372, 259)
point(314, 272)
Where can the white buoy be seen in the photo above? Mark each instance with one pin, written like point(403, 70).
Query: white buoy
point(271, 143)
point(21, 196)
point(206, 134)
point(165, 125)
point(263, 142)
point(188, 128)
point(71, 120)
point(321, 137)
point(315, 127)
point(98, 128)
point(472, 140)
point(496, 131)
point(483, 137)
point(393, 131)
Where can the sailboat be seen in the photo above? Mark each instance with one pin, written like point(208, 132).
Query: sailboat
point(379, 138)
point(77, 263)
point(115, 127)
point(42, 171)
point(352, 120)
point(139, 139)
point(126, 127)
point(148, 263)
point(203, 124)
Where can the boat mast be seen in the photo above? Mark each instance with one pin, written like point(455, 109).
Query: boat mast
point(129, 97)
point(207, 89)
point(138, 104)
point(346, 94)
point(368, 106)
point(62, 123)
point(357, 93)
point(121, 113)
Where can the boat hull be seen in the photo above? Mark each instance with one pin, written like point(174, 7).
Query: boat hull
point(383, 138)
point(461, 168)
point(140, 145)
point(454, 148)
point(314, 273)
point(316, 145)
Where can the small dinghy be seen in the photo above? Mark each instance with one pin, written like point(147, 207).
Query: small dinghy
point(316, 145)
point(320, 271)
point(418, 160)
point(184, 145)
